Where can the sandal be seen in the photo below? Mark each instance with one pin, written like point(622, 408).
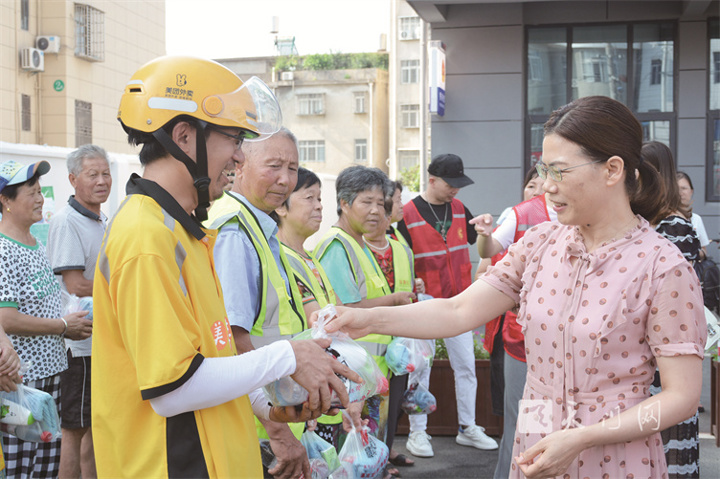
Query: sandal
point(401, 461)
point(391, 472)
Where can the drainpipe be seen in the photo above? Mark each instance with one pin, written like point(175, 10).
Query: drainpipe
point(371, 113)
point(424, 110)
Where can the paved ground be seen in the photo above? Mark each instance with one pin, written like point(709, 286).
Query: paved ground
point(453, 461)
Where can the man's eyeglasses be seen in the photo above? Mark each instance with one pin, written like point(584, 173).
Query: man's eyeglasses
point(239, 138)
point(555, 173)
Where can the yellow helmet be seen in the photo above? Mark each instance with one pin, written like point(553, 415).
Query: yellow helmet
point(168, 87)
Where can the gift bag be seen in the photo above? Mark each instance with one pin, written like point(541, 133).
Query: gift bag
point(26, 407)
point(405, 355)
point(286, 392)
point(417, 399)
point(362, 455)
point(322, 455)
point(73, 304)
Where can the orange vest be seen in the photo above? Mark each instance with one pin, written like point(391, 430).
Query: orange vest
point(443, 265)
point(528, 213)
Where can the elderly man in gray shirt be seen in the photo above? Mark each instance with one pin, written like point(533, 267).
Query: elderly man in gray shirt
point(74, 240)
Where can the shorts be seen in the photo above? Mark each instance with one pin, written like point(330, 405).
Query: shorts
point(75, 393)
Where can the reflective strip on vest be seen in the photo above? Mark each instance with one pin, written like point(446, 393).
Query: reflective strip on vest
point(363, 269)
point(403, 267)
point(444, 265)
point(280, 316)
point(307, 277)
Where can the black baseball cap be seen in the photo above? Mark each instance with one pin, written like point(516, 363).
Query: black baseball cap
point(449, 167)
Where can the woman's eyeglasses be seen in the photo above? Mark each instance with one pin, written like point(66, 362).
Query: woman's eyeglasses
point(555, 173)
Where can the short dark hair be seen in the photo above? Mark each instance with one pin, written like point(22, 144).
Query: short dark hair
point(10, 192)
point(353, 180)
point(306, 179)
point(152, 149)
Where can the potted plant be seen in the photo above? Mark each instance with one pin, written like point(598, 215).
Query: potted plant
point(443, 422)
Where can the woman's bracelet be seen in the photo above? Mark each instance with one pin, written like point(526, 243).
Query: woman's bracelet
point(65, 323)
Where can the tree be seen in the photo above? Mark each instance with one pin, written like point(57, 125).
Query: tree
point(410, 178)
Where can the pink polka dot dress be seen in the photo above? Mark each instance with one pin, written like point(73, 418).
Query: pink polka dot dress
point(593, 325)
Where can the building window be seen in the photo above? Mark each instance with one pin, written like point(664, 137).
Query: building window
point(89, 33)
point(359, 101)
point(26, 113)
point(410, 116)
point(565, 63)
point(409, 71)
point(409, 28)
point(83, 122)
point(716, 67)
point(25, 14)
point(311, 150)
point(408, 159)
point(311, 104)
point(361, 151)
point(655, 72)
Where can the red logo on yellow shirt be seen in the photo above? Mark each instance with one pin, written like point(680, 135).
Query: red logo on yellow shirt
point(220, 334)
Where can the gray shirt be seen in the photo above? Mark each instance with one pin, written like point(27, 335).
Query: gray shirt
point(74, 241)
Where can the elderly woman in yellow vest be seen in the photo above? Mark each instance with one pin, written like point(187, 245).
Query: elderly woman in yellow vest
point(298, 218)
point(396, 261)
point(350, 266)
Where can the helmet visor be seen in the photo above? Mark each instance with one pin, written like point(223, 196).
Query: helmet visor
point(253, 105)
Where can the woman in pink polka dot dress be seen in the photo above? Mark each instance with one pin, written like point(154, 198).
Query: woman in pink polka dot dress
point(603, 300)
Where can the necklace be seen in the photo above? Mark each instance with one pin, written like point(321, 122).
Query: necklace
point(379, 249)
point(443, 225)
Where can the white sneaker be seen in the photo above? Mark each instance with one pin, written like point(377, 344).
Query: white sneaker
point(475, 436)
point(418, 444)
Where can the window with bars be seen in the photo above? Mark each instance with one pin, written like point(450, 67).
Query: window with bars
point(83, 122)
point(410, 116)
point(311, 150)
point(361, 151)
point(359, 101)
point(409, 28)
point(89, 33)
point(26, 113)
point(409, 71)
point(311, 104)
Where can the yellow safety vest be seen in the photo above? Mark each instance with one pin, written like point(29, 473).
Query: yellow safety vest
point(370, 281)
point(304, 273)
point(281, 316)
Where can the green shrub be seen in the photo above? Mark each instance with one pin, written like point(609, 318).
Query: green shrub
point(480, 351)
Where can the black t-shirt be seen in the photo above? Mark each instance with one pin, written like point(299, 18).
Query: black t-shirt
point(436, 217)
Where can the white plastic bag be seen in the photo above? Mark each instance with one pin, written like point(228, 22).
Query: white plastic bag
point(72, 304)
point(286, 392)
point(31, 413)
point(417, 399)
point(405, 355)
point(362, 455)
point(322, 455)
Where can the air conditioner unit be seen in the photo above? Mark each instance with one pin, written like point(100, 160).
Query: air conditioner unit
point(404, 35)
point(32, 59)
point(48, 43)
point(287, 76)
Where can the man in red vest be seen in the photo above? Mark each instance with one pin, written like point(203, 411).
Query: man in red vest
point(437, 228)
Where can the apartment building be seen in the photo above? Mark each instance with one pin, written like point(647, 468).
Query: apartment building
point(64, 65)
point(340, 117)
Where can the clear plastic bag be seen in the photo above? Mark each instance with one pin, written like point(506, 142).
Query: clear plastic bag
point(286, 392)
point(417, 399)
point(72, 304)
point(362, 455)
point(405, 355)
point(322, 455)
point(30, 414)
